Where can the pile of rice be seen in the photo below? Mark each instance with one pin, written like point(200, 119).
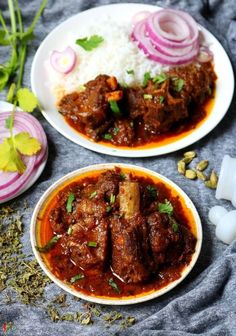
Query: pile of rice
point(114, 56)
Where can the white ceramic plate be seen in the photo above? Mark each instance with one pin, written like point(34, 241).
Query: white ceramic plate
point(4, 106)
point(223, 69)
point(120, 301)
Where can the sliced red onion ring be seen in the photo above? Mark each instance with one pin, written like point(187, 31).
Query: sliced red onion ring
point(140, 16)
point(63, 61)
point(144, 43)
point(180, 40)
point(12, 183)
point(205, 55)
point(18, 184)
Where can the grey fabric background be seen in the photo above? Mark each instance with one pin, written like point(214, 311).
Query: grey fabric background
point(205, 303)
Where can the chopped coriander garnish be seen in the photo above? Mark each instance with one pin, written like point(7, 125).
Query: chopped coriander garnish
point(130, 72)
point(147, 96)
point(112, 199)
point(76, 278)
point(166, 207)
point(160, 78)
point(92, 244)
point(108, 208)
point(113, 285)
point(116, 130)
point(93, 194)
point(49, 244)
point(152, 191)
point(107, 136)
point(70, 230)
point(90, 43)
point(122, 176)
point(146, 78)
point(114, 107)
point(175, 227)
point(69, 202)
point(178, 84)
point(161, 99)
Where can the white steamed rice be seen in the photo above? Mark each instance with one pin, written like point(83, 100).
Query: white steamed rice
point(117, 54)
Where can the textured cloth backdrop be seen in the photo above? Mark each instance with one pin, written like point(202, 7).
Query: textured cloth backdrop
point(205, 303)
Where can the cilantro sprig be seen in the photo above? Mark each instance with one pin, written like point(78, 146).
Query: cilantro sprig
point(11, 73)
point(90, 43)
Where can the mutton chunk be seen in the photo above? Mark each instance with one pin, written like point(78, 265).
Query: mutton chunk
point(128, 245)
point(91, 106)
point(90, 228)
point(129, 237)
point(78, 244)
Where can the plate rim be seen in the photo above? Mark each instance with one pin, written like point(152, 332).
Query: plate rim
point(75, 137)
point(115, 301)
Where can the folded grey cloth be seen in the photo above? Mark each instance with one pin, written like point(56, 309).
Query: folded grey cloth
point(205, 302)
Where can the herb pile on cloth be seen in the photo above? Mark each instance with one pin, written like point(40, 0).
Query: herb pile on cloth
point(11, 73)
point(16, 270)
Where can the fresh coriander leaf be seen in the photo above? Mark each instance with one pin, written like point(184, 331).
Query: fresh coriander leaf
point(49, 244)
point(70, 230)
point(113, 285)
point(122, 176)
point(93, 194)
point(9, 122)
point(161, 99)
point(114, 107)
point(112, 199)
point(178, 84)
point(175, 227)
point(92, 244)
point(76, 278)
point(130, 72)
point(11, 93)
point(116, 130)
point(108, 208)
point(90, 43)
point(147, 96)
point(69, 202)
point(160, 78)
point(152, 191)
point(107, 136)
point(26, 100)
point(166, 207)
point(10, 159)
point(146, 78)
point(25, 144)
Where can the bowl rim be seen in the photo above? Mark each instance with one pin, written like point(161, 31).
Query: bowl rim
point(100, 299)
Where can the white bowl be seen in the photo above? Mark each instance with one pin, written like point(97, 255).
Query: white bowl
point(105, 300)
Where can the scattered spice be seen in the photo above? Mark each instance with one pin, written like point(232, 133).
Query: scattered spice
point(24, 276)
point(192, 174)
point(152, 191)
